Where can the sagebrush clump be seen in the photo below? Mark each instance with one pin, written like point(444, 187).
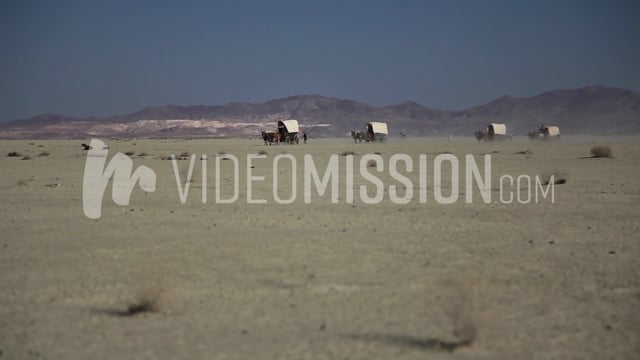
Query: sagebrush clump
point(601, 151)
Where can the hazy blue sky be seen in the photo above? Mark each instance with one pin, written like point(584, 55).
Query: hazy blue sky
point(114, 57)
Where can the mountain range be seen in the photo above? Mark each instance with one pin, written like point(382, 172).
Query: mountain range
point(595, 109)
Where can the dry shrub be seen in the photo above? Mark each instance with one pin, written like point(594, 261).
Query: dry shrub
point(556, 177)
point(524, 152)
point(142, 154)
point(371, 163)
point(463, 314)
point(601, 151)
point(184, 156)
point(222, 155)
point(263, 152)
point(44, 153)
point(556, 181)
point(149, 293)
point(347, 153)
point(129, 153)
point(468, 311)
point(22, 182)
point(26, 157)
point(14, 154)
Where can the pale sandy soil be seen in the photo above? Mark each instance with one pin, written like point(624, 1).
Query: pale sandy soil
point(324, 281)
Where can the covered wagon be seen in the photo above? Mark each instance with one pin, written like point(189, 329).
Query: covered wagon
point(494, 131)
point(377, 131)
point(545, 132)
point(288, 130)
point(550, 131)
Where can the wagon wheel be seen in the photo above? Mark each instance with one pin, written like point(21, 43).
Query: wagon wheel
point(296, 139)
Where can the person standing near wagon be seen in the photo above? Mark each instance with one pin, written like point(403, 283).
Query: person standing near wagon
point(304, 137)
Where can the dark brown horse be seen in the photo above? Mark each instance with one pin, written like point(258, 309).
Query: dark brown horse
point(482, 136)
point(270, 138)
point(358, 136)
point(534, 135)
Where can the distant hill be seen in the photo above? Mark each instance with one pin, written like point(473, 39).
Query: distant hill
point(593, 109)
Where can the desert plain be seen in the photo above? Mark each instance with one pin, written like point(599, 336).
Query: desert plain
point(321, 280)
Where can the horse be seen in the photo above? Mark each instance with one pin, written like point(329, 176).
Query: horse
point(536, 135)
point(482, 136)
point(357, 136)
point(270, 138)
